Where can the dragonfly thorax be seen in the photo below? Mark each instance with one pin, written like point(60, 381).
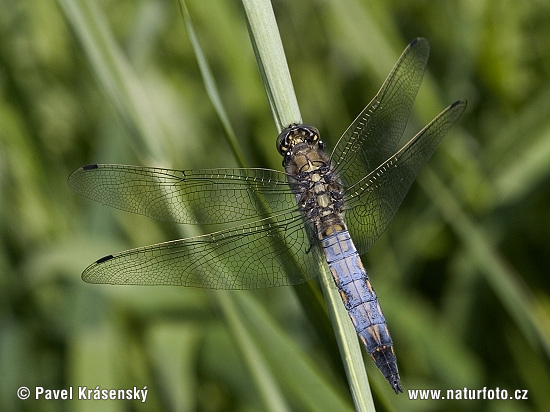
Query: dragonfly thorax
point(320, 198)
point(318, 190)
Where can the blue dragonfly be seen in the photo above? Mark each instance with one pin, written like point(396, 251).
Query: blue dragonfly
point(323, 205)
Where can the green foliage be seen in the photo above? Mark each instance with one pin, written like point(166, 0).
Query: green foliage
point(461, 272)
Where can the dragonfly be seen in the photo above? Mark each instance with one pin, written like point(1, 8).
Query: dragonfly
point(332, 206)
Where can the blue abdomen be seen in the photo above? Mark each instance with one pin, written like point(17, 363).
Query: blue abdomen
point(361, 303)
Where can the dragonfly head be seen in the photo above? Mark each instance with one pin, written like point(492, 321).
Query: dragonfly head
point(296, 134)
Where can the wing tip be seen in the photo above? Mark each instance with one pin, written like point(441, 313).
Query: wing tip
point(87, 275)
point(458, 107)
point(419, 42)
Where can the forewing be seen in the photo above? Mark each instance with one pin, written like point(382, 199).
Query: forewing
point(205, 196)
point(373, 136)
point(372, 202)
point(269, 252)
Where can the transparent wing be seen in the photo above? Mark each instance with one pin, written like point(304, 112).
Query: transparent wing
point(372, 202)
point(373, 136)
point(269, 252)
point(186, 196)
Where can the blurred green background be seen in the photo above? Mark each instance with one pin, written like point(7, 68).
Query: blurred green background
point(461, 272)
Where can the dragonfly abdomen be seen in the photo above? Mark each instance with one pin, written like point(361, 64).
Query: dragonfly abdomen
point(361, 303)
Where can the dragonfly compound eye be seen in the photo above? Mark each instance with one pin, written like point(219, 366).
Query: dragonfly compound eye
point(294, 134)
point(283, 144)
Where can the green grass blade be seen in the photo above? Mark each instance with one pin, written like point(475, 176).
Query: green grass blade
point(240, 329)
point(117, 79)
point(515, 296)
point(299, 375)
point(211, 87)
point(278, 84)
point(270, 56)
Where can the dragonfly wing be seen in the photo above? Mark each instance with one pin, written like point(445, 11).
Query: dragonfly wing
point(270, 252)
point(372, 202)
point(373, 136)
point(205, 196)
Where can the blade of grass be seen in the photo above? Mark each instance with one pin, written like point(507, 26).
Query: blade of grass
point(117, 79)
point(211, 86)
point(267, 385)
point(299, 374)
point(510, 288)
point(271, 59)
